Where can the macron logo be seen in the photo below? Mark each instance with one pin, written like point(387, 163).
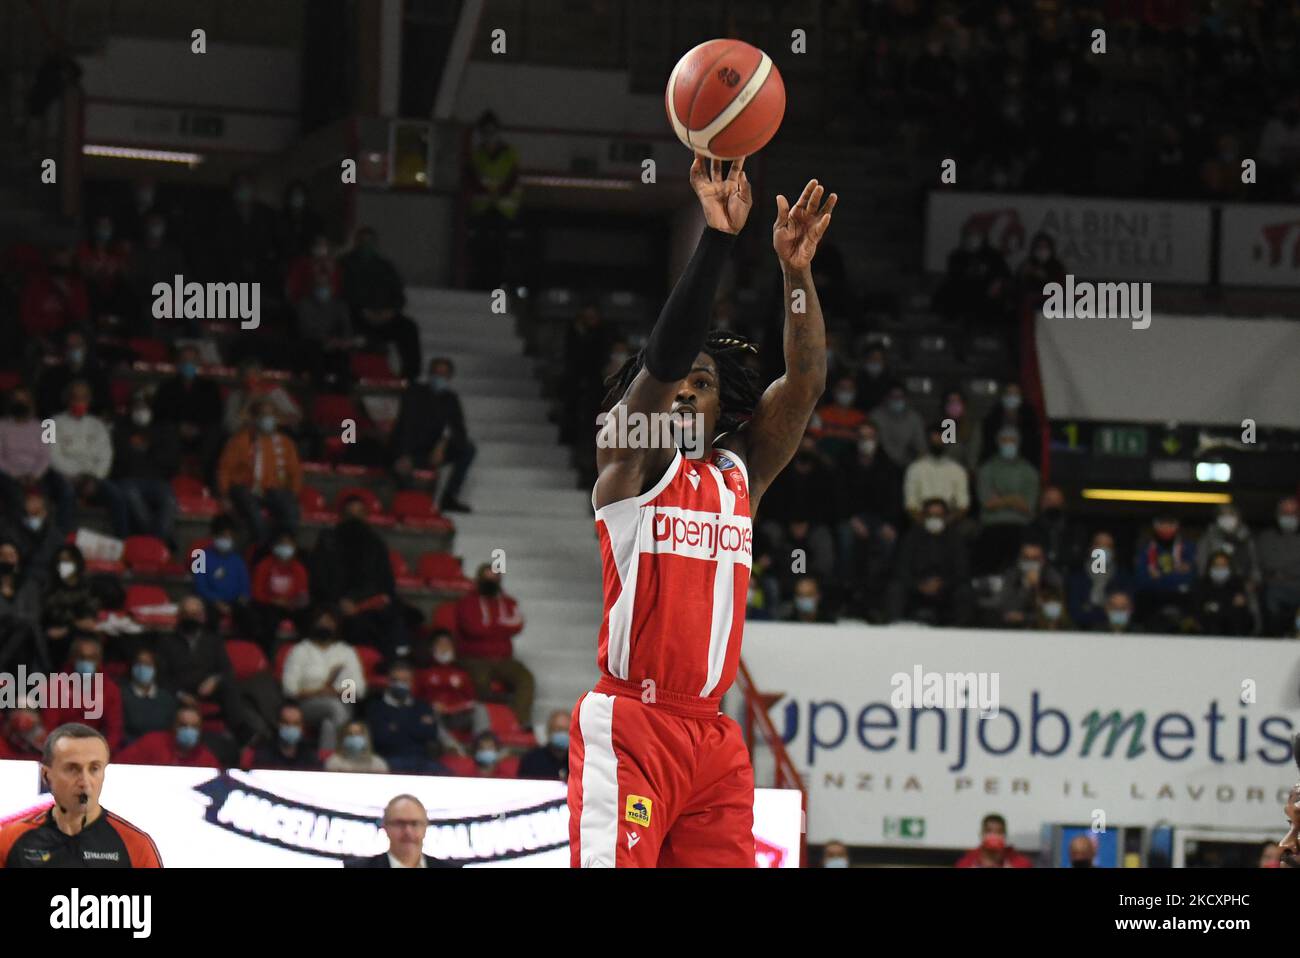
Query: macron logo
point(632, 839)
point(694, 477)
point(75, 911)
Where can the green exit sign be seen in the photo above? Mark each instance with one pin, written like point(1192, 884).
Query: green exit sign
point(1120, 441)
point(904, 827)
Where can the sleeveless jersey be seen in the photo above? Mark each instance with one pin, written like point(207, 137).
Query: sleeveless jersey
point(676, 564)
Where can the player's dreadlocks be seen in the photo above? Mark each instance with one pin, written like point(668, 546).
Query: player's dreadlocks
point(738, 385)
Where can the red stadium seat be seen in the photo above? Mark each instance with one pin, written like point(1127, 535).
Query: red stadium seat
point(444, 617)
point(119, 393)
point(144, 602)
point(505, 725)
point(281, 654)
point(402, 572)
point(149, 555)
point(370, 366)
point(329, 410)
point(246, 658)
point(193, 498)
point(371, 659)
point(374, 507)
point(314, 508)
point(461, 765)
point(148, 350)
point(416, 510)
point(441, 570)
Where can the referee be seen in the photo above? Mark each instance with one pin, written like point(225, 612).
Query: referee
point(75, 832)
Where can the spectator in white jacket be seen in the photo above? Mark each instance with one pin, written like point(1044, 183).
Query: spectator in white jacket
point(82, 453)
point(324, 675)
point(937, 476)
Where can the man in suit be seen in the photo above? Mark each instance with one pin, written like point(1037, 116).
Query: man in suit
point(405, 821)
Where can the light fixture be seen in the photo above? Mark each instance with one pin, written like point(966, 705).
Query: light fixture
point(1157, 495)
point(1213, 472)
point(150, 156)
point(576, 182)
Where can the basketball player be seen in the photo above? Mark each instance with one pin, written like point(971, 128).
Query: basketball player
point(657, 775)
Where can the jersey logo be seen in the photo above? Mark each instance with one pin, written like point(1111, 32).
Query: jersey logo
point(695, 478)
point(722, 462)
point(34, 855)
point(632, 839)
point(638, 810)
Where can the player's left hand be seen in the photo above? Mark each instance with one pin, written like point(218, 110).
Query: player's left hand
point(725, 199)
point(799, 229)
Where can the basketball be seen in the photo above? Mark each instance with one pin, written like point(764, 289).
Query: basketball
point(725, 99)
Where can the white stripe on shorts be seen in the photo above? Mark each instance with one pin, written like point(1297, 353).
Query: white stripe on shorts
point(598, 828)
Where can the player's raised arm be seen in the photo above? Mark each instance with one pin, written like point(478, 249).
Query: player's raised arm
point(772, 435)
point(679, 333)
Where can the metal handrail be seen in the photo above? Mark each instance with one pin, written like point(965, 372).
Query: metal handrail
point(756, 714)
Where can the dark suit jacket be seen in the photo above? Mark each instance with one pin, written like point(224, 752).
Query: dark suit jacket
point(381, 861)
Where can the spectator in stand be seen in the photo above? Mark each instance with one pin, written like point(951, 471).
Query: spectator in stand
point(968, 444)
point(146, 457)
point(103, 263)
point(1092, 578)
point(156, 260)
point(550, 760)
point(181, 745)
point(288, 750)
point(1119, 614)
point(1229, 535)
point(835, 855)
point(1164, 574)
point(325, 333)
point(223, 582)
point(21, 641)
point(587, 343)
point(871, 503)
point(281, 588)
point(1220, 176)
point(1279, 142)
point(805, 492)
point(812, 541)
point(82, 454)
point(25, 461)
point(487, 620)
point(492, 180)
point(430, 433)
point(242, 238)
point(193, 403)
point(490, 760)
point(836, 423)
point(133, 216)
point(22, 734)
point(194, 666)
point(1220, 603)
point(254, 386)
point(54, 301)
point(52, 387)
point(1012, 411)
point(1008, 494)
point(35, 532)
point(87, 660)
point(977, 282)
point(403, 729)
point(259, 468)
point(296, 223)
point(1279, 566)
point(375, 291)
point(1039, 268)
point(937, 476)
point(1062, 539)
point(309, 268)
point(350, 565)
point(70, 605)
point(356, 754)
point(874, 380)
point(1016, 597)
point(1050, 615)
point(993, 850)
point(320, 672)
point(146, 705)
point(807, 604)
point(931, 572)
point(900, 427)
point(448, 687)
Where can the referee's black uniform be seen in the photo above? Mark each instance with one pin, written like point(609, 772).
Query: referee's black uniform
point(107, 842)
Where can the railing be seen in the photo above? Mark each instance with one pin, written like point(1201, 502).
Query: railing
point(787, 776)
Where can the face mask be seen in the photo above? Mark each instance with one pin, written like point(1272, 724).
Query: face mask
point(142, 417)
point(618, 358)
point(867, 446)
point(266, 424)
point(1220, 574)
point(243, 195)
point(560, 741)
point(1228, 522)
point(845, 397)
point(34, 522)
point(323, 294)
point(805, 604)
point(103, 234)
point(1118, 617)
point(143, 674)
point(836, 863)
point(79, 409)
point(486, 756)
point(898, 406)
point(1051, 610)
point(188, 370)
point(1029, 566)
point(187, 736)
point(444, 656)
point(223, 543)
point(400, 690)
point(290, 734)
point(1288, 523)
point(1011, 401)
point(76, 356)
point(354, 744)
point(489, 587)
point(934, 525)
point(438, 383)
point(85, 667)
point(874, 369)
point(1008, 450)
point(956, 409)
point(284, 552)
point(67, 569)
point(297, 201)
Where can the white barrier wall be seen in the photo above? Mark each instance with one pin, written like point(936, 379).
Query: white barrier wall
point(1144, 730)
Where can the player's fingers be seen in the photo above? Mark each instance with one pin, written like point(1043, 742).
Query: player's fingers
point(782, 210)
point(830, 204)
point(819, 228)
point(744, 187)
point(736, 167)
point(715, 172)
point(815, 200)
point(804, 196)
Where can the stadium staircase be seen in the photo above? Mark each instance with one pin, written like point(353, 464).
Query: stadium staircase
point(521, 488)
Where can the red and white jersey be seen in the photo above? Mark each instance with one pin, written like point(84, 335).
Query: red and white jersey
point(676, 563)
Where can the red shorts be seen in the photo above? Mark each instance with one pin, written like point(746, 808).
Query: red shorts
point(667, 784)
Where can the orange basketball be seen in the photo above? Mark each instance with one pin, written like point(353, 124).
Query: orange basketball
point(725, 99)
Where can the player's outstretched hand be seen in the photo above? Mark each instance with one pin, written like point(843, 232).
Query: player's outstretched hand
point(726, 199)
point(798, 230)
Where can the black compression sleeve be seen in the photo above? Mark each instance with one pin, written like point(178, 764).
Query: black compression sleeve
point(683, 324)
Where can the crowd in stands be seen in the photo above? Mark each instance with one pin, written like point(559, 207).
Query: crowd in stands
point(163, 526)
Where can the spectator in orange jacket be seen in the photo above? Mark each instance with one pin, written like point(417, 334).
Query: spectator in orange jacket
point(88, 659)
point(993, 851)
point(180, 746)
point(259, 467)
point(487, 619)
